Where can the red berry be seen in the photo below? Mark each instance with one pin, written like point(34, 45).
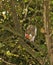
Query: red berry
point(27, 36)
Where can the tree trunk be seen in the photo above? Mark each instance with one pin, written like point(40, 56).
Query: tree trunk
point(47, 29)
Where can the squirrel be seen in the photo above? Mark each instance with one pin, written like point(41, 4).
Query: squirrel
point(31, 32)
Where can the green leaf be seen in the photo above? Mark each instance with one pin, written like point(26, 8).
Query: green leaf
point(51, 2)
point(8, 53)
point(1, 45)
point(25, 1)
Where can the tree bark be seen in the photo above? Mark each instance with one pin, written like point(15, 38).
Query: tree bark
point(46, 17)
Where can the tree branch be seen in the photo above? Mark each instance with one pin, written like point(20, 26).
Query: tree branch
point(8, 63)
point(47, 29)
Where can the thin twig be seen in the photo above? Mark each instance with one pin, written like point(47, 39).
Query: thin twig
point(6, 62)
point(27, 10)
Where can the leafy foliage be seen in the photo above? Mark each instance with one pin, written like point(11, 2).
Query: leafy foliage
point(15, 16)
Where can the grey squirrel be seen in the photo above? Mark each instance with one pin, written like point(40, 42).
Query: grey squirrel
point(31, 32)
